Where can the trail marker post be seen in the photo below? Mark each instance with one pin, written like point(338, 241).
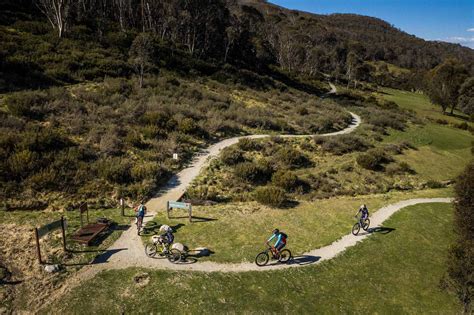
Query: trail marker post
point(122, 205)
point(83, 208)
point(48, 228)
point(179, 205)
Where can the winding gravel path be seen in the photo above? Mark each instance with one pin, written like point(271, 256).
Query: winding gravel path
point(128, 250)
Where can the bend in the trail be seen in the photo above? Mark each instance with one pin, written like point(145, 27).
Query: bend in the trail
point(312, 257)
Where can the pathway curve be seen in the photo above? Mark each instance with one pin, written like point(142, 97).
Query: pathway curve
point(138, 258)
point(128, 250)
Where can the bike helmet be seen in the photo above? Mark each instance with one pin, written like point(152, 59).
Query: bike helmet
point(275, 231)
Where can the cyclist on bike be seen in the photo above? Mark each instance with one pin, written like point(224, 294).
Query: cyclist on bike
point(140, 210)
point(364, 214)
point(167, 238)
point(280, 242)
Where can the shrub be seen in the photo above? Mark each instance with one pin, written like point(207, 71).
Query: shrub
point(115, 170)
point(110, 144)
point(232, 156)
point(400, 168)
point(259, 172)
point(247, 171)
point(373, 159)
point(22, 163)
point(434, 184)
point(146, 170)
point(270, 196)
point(28, 104)
point(286, 180)
point(291, 158)
point(343, 144)
point(247, 144)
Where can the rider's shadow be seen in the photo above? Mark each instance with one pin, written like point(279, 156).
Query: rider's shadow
point(303, 260)
point(378, 229)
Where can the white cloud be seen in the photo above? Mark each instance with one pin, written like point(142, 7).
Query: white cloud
point(465, 41)
point(470, 29)
point(460, 39)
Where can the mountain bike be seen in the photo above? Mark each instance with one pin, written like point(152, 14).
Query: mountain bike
point(283, 256)
point(357, 226)
point(158, 246)
point(139, 224)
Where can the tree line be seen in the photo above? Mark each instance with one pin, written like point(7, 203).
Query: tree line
point(260, 36)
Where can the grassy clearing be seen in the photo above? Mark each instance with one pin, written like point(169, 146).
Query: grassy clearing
point(442, 151)
point(421, 104)
point(384, 274)
point(239, 230)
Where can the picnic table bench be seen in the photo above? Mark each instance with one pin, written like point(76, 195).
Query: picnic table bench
point(88, 233)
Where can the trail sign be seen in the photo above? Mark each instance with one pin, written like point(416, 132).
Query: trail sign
point(48, 228)
point(179, 205)
point(45, 229)
point(175, 156)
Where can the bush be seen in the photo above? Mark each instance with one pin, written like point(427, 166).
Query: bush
point(27, 104)
point(232, 156)
point(373, 159)
point(270, 196)
point(115, 170)
point(259, 172)
point(286, 180)
point(400, 168)
point(343, 144)
point(147, 170)
point(247, 144)
point(291, 158)
point(433, 184)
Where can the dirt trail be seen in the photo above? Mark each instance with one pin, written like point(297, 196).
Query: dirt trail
point(137, 258)
point(128, 250)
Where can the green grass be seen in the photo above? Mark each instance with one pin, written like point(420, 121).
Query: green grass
point(442, 151)
point(421, 104)
point(390, 273)
point(239, 230)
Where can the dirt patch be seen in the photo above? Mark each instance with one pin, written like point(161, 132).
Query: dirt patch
point(141, 280)
point(25, 284)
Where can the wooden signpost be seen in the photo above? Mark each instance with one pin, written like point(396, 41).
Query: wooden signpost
point(179, 205)
point(48, 228)
point(122, 206)
point(83, 208)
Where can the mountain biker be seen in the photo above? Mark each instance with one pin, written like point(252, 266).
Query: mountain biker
point(364, 214)
point(167, 237)
point(280, 242)
point(140, 210)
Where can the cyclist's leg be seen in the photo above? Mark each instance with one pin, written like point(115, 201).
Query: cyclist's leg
point(279, 247)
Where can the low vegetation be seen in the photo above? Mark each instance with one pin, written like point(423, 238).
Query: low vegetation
point(111, 139)
point(398, 277)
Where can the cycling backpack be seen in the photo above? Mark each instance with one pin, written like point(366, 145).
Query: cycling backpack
point(283, 236)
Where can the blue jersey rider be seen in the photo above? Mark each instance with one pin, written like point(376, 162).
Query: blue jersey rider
point(280, 242)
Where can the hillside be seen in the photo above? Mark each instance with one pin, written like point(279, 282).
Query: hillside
point(255, 35)
point(261, 118)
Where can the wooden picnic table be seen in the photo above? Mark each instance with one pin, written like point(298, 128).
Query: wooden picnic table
point(88, 233)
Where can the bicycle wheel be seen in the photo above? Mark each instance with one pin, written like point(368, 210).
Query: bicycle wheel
point(262, 259)
point(366, 224)
point(150, 250)
point(174, 255)
point(285, 256)
point(356, 229)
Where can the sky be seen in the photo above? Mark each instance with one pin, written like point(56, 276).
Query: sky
point(443, 20)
